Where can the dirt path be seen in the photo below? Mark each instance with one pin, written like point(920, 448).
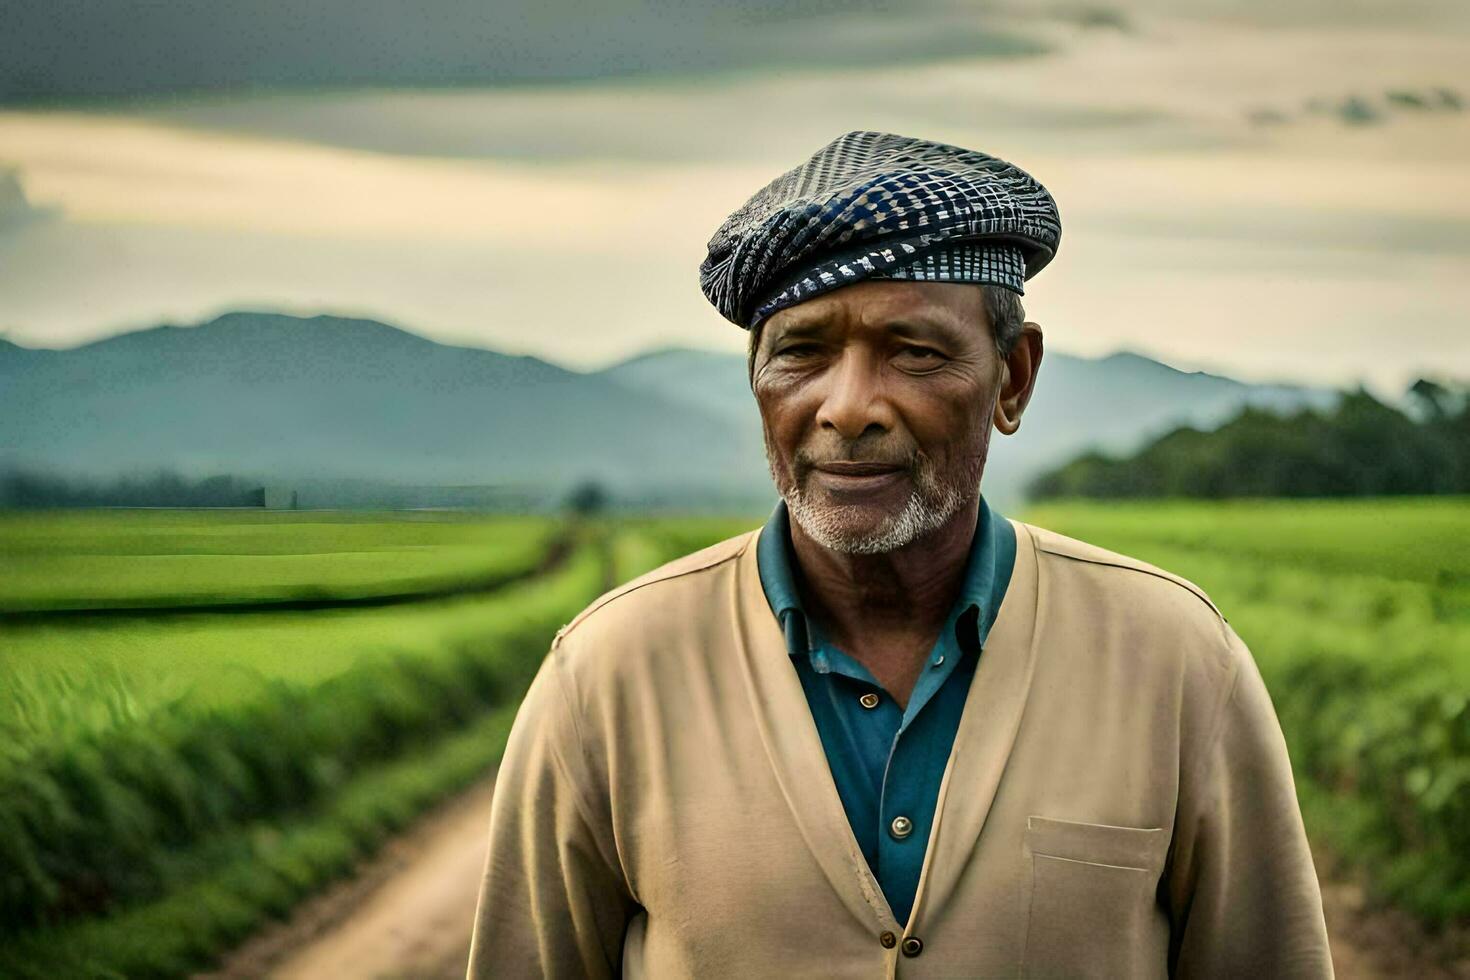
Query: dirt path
point(408, 913)
point(1369, 943)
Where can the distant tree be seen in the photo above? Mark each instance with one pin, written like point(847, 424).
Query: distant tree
point(1432, 396)
point(587, 498)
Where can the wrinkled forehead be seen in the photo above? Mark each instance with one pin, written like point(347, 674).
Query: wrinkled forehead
point(953, 311)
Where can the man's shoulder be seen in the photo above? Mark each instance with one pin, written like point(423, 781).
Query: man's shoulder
point(682, 584)
point(1166, 625)
point(1125, 583)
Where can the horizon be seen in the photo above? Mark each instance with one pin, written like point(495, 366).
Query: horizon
point(671, 348)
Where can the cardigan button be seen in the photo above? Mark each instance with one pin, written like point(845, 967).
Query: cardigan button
point(901, 827)
point(889, 940)
point(912, 946)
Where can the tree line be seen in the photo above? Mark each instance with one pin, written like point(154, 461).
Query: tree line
point(23, 488)
point(1359, 447)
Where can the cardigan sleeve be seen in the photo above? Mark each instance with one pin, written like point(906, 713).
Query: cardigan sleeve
point(553, 901)
point(1243, 892)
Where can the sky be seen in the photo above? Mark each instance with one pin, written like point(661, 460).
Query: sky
point(1269, 191)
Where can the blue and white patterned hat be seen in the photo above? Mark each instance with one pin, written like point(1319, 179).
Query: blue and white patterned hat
point(879, 206)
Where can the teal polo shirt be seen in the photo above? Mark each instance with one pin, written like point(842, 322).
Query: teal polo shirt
point(888, 762)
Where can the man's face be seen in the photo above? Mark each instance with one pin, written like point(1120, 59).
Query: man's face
point(877, 401)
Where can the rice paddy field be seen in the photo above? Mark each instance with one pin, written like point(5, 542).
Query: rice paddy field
point(150, 559)
point(205, 716)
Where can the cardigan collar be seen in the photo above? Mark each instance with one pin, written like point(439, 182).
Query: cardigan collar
point(789, 737)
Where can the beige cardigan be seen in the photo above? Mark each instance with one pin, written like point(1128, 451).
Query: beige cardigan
point(1118, 802)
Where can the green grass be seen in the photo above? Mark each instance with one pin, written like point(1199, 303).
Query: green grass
point(644, 544)
point(224, 889)
point(1408, 539)
point(89, 676)
point(95, 792)
point(168, 782)
point(62, 560)
point(1358, 613)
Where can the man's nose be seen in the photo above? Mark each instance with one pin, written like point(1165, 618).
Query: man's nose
point(854, 399)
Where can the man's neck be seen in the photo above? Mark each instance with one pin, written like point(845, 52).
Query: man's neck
point(907, 592)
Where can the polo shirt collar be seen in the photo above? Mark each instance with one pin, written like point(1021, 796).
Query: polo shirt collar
point(776, 560)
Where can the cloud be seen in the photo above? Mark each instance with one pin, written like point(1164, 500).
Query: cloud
point(15, 208)
point(157, 175)
point(80, 49)
point(568, 220)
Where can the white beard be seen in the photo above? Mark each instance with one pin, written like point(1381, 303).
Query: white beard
point(824, 525)
point(929, 506)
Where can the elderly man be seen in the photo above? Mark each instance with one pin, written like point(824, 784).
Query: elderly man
point(892, 732)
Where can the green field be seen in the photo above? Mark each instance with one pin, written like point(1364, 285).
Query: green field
point(156, 558)
point(171, 778)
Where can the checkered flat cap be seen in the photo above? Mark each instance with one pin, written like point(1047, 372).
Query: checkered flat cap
point(879, 206)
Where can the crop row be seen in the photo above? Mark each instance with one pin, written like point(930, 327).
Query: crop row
point(225, 887)
point(60, 561)
point(88, 823)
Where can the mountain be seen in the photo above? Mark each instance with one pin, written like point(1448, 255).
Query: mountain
point(332, 398)
point(714, 381)
point(290, 400)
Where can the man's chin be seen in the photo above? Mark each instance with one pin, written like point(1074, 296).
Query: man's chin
point(849, 528)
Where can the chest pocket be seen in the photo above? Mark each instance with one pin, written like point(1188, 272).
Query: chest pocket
point(1093, 911)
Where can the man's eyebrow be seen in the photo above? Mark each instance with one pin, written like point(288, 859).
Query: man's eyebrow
point(926, 327)
point(801, 329)
point(905, 324)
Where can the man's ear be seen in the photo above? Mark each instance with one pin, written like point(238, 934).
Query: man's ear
point(1018, 378)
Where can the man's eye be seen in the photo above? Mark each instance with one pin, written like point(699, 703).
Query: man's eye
point(925, 354)
point(797, 350)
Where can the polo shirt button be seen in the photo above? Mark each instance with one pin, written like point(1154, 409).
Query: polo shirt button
point(869, 700)
point(889, 940)
point(912, 946)
point(901, 827)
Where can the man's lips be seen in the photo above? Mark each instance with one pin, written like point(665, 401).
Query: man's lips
point(856, 481)
point(853, 468)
